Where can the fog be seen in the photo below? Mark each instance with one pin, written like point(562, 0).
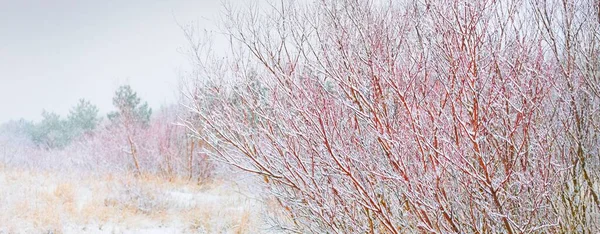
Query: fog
point(291, 116)
point(53, 53)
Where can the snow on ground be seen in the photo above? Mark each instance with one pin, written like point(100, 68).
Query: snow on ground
point(34, 201)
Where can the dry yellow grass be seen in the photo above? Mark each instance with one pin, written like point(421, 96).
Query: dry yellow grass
point(43, 202)
point(244, 223)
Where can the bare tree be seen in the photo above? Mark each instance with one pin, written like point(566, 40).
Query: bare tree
point(572, 39)
point(402, 116)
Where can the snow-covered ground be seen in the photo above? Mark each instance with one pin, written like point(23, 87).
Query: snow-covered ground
point(37, 201)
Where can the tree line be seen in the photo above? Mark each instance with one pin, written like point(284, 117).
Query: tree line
point(54, 131)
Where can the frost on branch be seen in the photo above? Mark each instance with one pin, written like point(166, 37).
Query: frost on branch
point(373, 116)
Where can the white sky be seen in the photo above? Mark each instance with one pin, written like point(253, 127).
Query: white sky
point(53, 53)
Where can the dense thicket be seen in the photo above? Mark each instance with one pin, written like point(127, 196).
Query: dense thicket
point(411, 116)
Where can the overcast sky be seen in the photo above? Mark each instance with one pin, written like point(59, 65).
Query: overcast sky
point(53, 53)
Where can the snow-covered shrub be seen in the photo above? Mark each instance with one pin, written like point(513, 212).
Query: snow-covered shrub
point(403, 116)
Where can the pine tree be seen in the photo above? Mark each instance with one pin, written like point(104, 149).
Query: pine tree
point(51, 132)
point(129, 107)
point(83, 117)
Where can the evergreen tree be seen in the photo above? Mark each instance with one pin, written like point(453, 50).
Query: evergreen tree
point(51, 132)
point(129, 107)
point(83, 117)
